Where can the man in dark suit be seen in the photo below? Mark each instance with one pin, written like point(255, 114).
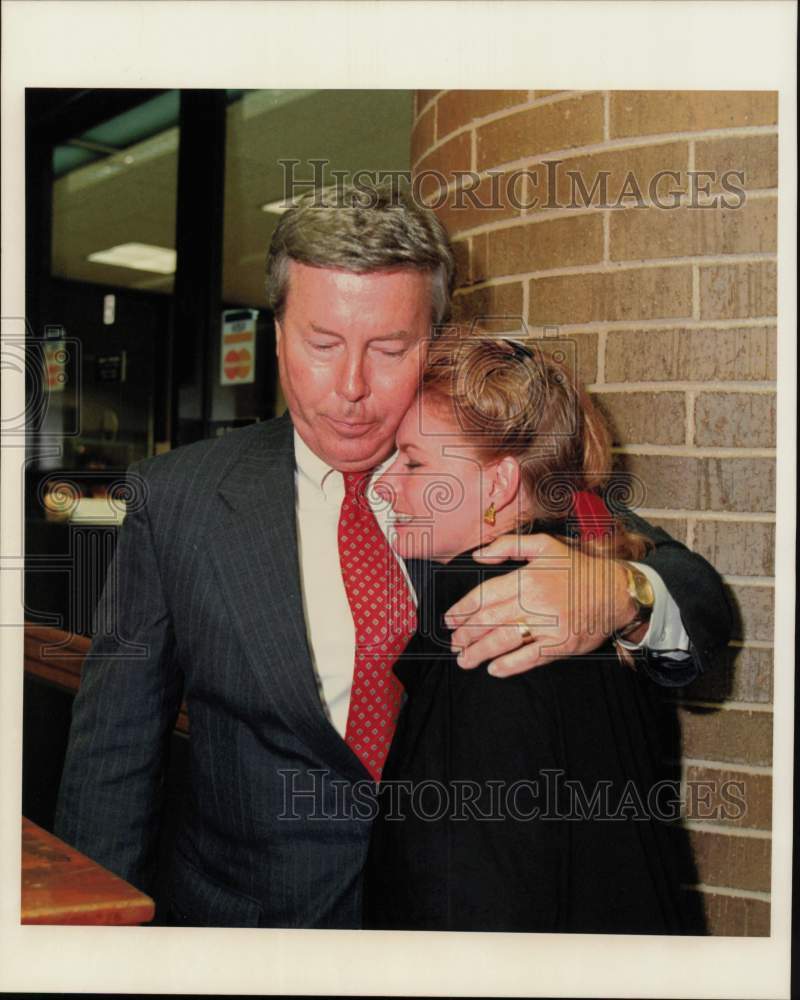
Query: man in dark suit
point(229, 588)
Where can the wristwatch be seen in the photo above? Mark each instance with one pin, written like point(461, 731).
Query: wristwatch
point(641, 593)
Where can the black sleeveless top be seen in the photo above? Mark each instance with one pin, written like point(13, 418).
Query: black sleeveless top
point(526, 803)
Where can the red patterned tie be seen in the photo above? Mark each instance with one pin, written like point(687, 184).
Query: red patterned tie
point(385, 619)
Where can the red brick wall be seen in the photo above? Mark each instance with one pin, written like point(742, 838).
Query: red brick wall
point(673, 311)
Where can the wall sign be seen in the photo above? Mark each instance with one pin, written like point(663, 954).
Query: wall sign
point(238, 349)
point(111, 367)
point(55, 361)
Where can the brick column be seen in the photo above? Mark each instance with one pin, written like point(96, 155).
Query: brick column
point(669, 293)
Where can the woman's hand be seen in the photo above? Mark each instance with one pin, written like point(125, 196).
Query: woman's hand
point(568, 601)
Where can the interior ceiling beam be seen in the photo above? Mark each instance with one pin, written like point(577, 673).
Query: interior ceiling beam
point(57, 115)
point(94, 147)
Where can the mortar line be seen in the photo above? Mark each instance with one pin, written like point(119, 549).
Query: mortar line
point(756, 388)
point(757, 707)
point(690, 400)
point(606, 145)
point(719, 890)
point(681, 451)
point(613, 267)
point(751, 832)
point(721, 765)
point(539, 215)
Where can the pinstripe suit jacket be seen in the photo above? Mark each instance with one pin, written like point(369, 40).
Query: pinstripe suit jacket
point(203, 601)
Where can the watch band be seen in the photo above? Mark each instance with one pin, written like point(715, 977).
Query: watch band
point(641, 593)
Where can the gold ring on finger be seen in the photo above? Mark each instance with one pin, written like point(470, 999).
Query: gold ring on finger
point(525, 633)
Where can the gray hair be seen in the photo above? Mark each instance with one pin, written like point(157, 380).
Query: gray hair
point(364, 228)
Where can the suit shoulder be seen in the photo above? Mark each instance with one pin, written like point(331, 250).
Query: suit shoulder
point(208, 460)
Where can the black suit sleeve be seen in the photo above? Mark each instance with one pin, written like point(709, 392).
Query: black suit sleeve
point(130, 692)
point(698, 591)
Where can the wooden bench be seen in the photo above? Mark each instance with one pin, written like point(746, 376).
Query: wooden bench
point(57, 657)
point(62, 886)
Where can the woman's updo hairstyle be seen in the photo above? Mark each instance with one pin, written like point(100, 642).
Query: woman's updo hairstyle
point(511, 398)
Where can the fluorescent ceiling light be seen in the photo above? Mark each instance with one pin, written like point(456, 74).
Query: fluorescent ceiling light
point(277, 207)
point(139, 256)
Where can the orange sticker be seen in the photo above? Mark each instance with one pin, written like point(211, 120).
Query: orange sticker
point(238, 363)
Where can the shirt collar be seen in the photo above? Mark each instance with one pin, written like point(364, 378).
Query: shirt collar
point(309, 464)
point(318, 472)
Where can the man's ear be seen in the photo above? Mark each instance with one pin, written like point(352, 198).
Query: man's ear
point(504, 482)
point(278, 334)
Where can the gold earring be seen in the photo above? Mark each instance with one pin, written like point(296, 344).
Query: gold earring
point(490, 515)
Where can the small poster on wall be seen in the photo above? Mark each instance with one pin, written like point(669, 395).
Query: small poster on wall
point(55, 360)
point(111, 367)
point(238, 353)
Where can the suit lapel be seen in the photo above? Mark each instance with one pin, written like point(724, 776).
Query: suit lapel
point(255, 552)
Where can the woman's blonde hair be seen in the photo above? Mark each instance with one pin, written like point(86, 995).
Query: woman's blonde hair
point(510, 398)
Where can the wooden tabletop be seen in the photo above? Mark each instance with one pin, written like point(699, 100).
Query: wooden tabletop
point(57, 657)
point(62, 886)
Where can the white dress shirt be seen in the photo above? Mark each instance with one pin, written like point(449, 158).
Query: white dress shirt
point(329, 622)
